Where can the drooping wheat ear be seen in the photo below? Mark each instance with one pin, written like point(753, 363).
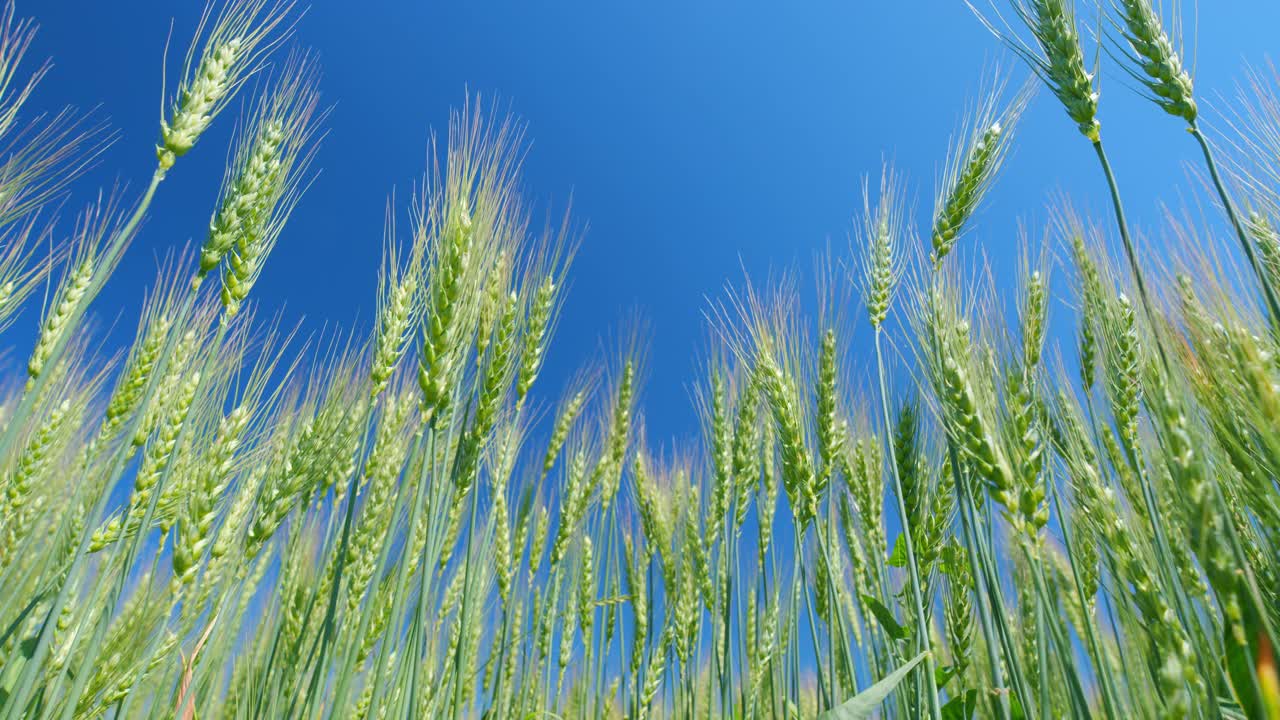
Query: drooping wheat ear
point(1058, 58)
point(242, 34)
point(1153, 59)
point(972, 166)
point(881, 235)
point(265, 182)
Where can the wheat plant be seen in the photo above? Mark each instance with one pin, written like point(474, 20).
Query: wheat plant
point(998, 520)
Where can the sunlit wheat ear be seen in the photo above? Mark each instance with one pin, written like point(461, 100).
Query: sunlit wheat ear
point(466, 219)
point(399, 302)
point(882, 234)
point(1267, 240)
point(212, 477)
point(1033, 309)
point(718, 424)
point(1123, 363)
point(72, 290)
point(544, 280)
point(149, 341)
point(1023, 403)
point(1151, 57)
point(1092, 280)
point(973, 162)
point(33, 461)
point(93, 226)
point(242, 33)
point(566, 415)
point(159, 452)
point(270, 174)
point(498, 366)
point(1057, 56)
point(259, 168)
point(960, 379)
point(746, 444)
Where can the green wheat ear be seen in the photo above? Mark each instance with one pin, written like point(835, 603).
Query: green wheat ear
point(227, 521)
point(972, 165)
point(242, 34)
point(1152, 58)
point(1055, 55)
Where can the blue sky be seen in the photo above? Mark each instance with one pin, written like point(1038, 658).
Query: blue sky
point(698, 140)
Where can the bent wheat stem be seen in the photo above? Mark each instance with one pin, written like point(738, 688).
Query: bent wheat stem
point(1273, 305)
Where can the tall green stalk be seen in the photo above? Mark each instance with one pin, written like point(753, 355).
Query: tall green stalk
point(917, 592)
point(1264, 281)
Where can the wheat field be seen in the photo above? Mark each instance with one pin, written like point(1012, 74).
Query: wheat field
point(989, 520)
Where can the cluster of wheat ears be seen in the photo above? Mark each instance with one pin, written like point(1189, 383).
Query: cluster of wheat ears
point(214, 524)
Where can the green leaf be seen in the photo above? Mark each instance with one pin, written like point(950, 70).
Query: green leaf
point(1241, 671)
point(890, 624)
point(961, 707)
point(943, 675)
point(865, 703)
point(898, 558)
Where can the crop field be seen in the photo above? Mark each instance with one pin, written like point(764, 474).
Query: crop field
point(978, 513)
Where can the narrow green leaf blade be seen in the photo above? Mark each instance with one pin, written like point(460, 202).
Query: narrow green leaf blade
point(898, 558)
point(862, 705)
point(891, 626)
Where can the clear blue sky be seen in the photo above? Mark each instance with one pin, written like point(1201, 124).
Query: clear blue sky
point(696, 138)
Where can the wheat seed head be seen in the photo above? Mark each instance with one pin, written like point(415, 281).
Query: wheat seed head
point(234, 44)
point(1151, 56)
point(974, 159)
point(882, 234)
point(1055, 55)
